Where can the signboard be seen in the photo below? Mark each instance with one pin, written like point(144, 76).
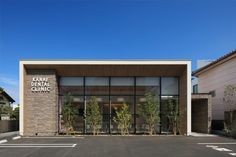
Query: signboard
point(40, 84)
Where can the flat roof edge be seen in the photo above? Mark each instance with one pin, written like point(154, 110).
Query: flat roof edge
point(68, 62)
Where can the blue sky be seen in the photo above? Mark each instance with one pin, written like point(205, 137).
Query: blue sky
point(112, 29)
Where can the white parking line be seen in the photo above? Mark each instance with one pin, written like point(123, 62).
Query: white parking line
point(222, 149)
point(55, 137)
point(211, 146)
point(17, 137)
point(3, 141)
point(37, 145)
point(230, 143)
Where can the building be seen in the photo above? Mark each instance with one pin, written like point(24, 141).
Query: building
point(213, 78)
point(5, 102)
point(45, 84)
point(5, 99)
point(200, 64)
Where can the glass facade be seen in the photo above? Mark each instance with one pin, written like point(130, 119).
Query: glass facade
point(111, 93)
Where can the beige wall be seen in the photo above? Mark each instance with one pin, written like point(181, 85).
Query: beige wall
point(216, 79)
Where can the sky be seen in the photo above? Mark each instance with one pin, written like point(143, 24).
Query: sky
point(112, 29)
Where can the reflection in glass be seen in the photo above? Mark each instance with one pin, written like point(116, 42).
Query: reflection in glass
point(122, 85)
point(73, 85)
point(169, 86)
point(96, 86)
point(147, 84)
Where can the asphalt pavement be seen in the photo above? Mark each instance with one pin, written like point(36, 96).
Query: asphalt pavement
point(118, 146)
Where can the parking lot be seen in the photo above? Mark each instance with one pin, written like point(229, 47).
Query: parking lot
point(114, 146)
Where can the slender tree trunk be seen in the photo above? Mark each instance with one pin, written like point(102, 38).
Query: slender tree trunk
point(94, 130)
point(231, 120)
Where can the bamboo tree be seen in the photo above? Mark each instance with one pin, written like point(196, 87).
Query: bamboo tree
point(68, 113)
point(123, 119)
point(230, 103)
point(150, 111)
point(93, 115)
point(173, 115)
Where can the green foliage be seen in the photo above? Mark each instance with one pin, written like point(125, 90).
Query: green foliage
point(150, 111)
point(93, 115)
point(123, 119)
point(68, 113)
point(173, 115)
point(5, 109)
point(15, 113)
point(233, 132)
point(229, 101)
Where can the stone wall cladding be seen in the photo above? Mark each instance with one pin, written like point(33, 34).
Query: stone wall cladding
point(201, 113)
point(199, 116)
point(183, 103)
point(40, 108)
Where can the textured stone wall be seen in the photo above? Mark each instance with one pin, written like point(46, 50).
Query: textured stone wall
point(183, 103)
point(201, 113)
point(199, 116)
point(40, 108)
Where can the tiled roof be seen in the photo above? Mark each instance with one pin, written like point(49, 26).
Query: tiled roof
point(10, 99)
point(196, 72)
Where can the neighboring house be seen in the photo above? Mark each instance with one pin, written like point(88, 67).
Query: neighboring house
point(213, 78)
point(200, 64)
point(5, 100)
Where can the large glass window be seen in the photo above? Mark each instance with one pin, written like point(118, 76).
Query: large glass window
point(147, 84)
point(96, 86)
point(111, 93)
point(122, 85)
point(73, 85)
point(169, 86)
